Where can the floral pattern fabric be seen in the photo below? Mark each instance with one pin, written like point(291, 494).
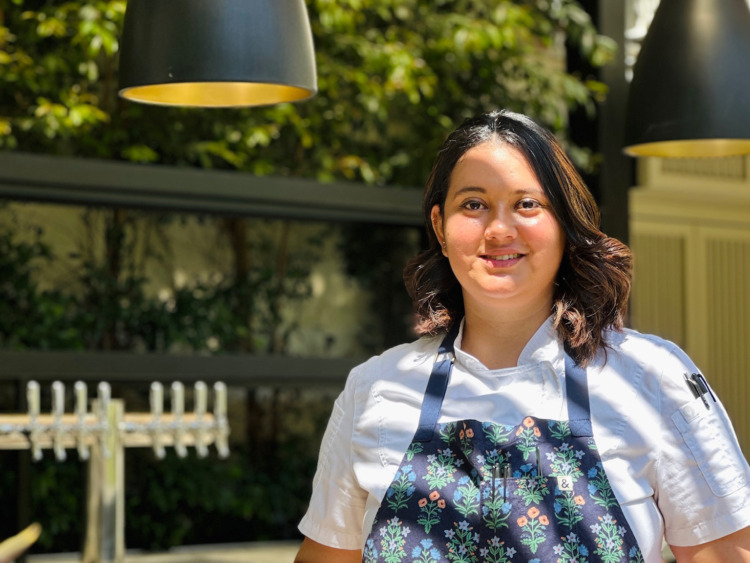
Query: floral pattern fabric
point(480, 492)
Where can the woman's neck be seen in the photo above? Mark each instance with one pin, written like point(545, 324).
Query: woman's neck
point(498, 340)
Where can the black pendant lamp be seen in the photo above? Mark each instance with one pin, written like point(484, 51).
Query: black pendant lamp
point(690, 94)
point(217, 53)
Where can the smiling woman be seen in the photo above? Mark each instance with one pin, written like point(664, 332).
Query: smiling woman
point(500, 235)
point(526, 424)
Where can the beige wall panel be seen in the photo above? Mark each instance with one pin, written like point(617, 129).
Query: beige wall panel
point(658, 300)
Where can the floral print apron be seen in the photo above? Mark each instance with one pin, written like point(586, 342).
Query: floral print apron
point(480, 492)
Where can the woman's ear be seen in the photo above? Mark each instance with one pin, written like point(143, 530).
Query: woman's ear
point(437, 226)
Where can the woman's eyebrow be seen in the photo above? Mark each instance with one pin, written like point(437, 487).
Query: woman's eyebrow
point(470, 189)
point(478, 189)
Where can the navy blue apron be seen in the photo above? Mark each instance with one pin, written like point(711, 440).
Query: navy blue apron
point(476, 492)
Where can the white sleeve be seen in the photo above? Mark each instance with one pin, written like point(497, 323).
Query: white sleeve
point(337, 506)
point(703, 488)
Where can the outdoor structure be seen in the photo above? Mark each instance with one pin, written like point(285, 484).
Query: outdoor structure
point(687, 221)
point(101, 436)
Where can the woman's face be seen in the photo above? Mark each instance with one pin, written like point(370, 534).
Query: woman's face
point(501, 236)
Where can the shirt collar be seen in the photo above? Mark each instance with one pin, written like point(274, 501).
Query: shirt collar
point(545, 346)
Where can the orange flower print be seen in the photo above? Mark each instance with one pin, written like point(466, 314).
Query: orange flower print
point(533, 512)
point(434, 495)
point(422, 502)
point(519, 431)
point(537, 433)
point(543, 520)
point(441, 503)
point(461, 435)
point(522, 521)
point(528, 422)
point(579, 500)
point(469, 433)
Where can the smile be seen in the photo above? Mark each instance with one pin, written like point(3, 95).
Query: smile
point(504, 257)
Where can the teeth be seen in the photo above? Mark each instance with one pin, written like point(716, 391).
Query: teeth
point(505, 257)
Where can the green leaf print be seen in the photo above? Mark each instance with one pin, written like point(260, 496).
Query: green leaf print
point(571, 550)
point(498, 434)
point(559, 429)
point(568, 509)
point(565, 460)
point(599, 488)
point(430, 509)
point(466, 497)
point(496, 552)
point(532, 490)
point(528, 434)
point(440, 469)
point(528, 486)
point(533, 528)
point(446, 432)
point(398, 494)
point(413, 449)
point(608, 539)
point(635, 555)
point(462, 547)
point(393, 539)
point(495, 511)
point(466, 437)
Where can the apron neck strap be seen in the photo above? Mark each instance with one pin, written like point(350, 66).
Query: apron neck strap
point(436, 386)
point(577, 394)
point(576, 391)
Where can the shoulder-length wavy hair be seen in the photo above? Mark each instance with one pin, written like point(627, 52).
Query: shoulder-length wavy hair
point(593, 282)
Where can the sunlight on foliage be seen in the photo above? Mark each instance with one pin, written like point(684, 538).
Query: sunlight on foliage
point(394, 77)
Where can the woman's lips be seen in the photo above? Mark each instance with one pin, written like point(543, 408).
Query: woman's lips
point(503, 260)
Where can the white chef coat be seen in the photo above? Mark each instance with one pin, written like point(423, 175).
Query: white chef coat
point(673, 464)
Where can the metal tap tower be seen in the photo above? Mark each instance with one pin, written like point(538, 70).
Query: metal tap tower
point(101, 436)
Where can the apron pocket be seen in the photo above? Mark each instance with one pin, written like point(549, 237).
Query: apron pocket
point(709, 437)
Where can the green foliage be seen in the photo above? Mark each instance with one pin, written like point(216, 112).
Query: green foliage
point(108, 305)
point(30, 317)
point(394, 77)
point(249, 496)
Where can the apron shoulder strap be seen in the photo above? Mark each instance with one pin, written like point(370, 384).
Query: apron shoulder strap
point(436, 386)
point(577, 393)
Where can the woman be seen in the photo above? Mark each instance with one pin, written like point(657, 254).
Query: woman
point(527, 424)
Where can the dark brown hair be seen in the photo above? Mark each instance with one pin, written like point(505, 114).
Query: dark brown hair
point(593, 282)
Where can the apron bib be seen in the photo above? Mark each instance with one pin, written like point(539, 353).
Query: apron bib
point(476, 492)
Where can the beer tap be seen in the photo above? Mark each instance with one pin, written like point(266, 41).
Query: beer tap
point(32, 398)
point(81, 393)
point(58, 409)
point(220, 417)
point(178, 410)
point(157, 426)
point(104, 392)
point(201, 402)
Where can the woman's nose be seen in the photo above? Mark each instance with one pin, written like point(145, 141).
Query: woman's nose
point(500, 226)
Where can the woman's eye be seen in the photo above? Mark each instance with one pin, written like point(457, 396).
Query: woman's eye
point(528, 204)
point(473, 205)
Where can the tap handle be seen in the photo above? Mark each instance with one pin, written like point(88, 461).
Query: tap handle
point(178, 409)
point(32, 398)
point(157, 409)
point(58, 408)
point(81, 393)
point(105, 393)
point(220, 416)
point(201, 402)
